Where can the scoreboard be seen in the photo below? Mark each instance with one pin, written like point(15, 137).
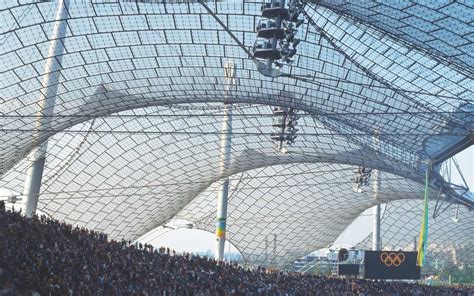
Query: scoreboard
point(391, 265)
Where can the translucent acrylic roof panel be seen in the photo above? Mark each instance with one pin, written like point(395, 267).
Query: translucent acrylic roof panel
point(148, 53)
point(442, 27)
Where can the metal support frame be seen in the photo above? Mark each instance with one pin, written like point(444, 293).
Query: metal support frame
point(454, 149)
point(46, 102)
point(439, 204)
point(447, 188)
point(225, 158)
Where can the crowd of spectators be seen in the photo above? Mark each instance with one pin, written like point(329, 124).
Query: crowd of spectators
point(54, 258)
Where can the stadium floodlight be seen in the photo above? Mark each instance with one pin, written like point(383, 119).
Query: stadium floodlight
point(361, 178)
point(261, 25)
point(277, 137)
point(265, 6)
point(278, 28)
point(294, 17)
point(299, 23)
point(288, 26)
point(279, 111)
point(284, 125)
point(290, 37)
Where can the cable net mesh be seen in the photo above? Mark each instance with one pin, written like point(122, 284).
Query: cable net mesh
point(134, 137)
point(280, 213)
point(435, 26)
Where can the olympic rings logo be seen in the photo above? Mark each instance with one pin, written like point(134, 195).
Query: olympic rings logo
point(392, 259)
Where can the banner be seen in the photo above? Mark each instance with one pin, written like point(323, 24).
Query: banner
point(423, 241)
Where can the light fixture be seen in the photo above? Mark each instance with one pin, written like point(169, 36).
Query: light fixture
point(292, 53)
point(279, 28)
point(361, 178)
point(284, 126)
point(290, 37)
point(299, 23)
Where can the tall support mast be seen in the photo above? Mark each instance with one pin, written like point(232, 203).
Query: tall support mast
point(274, 249)
point(46, 102)
point(225, 155)
point(376, 241)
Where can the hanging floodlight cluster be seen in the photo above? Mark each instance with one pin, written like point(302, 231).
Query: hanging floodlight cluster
point(284, 125)
point(276, 42)
point(361, 179)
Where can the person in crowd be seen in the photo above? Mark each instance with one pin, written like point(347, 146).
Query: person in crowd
point(48, 257)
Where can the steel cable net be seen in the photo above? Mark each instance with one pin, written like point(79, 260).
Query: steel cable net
point(450, 240)
point(134, 137)
point(282, 212)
